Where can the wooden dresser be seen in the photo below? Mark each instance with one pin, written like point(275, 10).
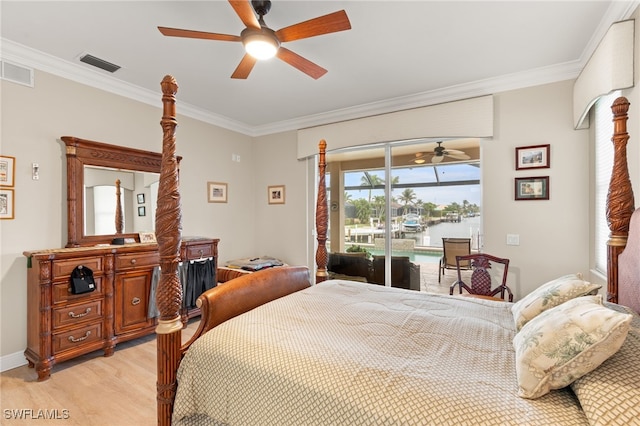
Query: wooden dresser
point(61, 325)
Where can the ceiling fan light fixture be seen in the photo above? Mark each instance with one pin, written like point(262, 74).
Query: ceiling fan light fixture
point(260, 44)
point(419, 160)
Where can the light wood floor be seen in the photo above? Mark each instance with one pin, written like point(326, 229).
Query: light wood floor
point(94, 390)
point(114, 391)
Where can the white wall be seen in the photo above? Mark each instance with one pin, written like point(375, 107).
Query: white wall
point(554, 234)
point(282, 229)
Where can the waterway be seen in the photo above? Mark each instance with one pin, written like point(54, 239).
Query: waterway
point(429, 241)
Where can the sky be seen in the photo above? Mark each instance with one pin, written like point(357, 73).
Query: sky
point(442, 195)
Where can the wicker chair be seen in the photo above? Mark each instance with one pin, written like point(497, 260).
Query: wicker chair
point(452, 247)
point(481, 278)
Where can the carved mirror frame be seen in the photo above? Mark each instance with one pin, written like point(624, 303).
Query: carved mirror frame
point(82, 152)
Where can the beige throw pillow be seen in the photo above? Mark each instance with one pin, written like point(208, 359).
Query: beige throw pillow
point(549, 295)
point(566, 342)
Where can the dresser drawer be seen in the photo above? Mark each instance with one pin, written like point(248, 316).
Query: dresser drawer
point(199, 251)
point(77, 337)
point(76, 314)
point(62, 291)
point(63, 268)
point(125, 261)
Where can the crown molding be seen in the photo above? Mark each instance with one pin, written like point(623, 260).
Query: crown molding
point(26, 56)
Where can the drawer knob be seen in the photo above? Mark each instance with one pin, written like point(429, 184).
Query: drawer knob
point(85, 313)
point(135, 301)
point(133, 261)
point(80, 339)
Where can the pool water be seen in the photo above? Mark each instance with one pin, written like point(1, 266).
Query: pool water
point(415, 257)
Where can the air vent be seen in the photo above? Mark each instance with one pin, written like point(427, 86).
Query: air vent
point(16, 73)
point(100, 63)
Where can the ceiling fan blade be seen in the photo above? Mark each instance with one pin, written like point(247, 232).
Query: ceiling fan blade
point(297, 61)
point(331, 23)
point(454, 151)
point(437, 159)
point(245, 13)
point(176, 32)
point(462, 156)
point(244, 67)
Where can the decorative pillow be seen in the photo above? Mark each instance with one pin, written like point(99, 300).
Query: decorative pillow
point(564, 343)
point(610, 394)
point(549, 295)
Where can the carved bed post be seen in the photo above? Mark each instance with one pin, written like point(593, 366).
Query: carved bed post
point(168, 233)
point(620, 197)
point(119, 221)
point(322, 217)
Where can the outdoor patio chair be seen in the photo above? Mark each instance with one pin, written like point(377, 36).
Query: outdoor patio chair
point(452, 247)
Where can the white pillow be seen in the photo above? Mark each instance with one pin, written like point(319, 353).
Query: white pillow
point(610, 395)
point(566, 342)
point(549, 295)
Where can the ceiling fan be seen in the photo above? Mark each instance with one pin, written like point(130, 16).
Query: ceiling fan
point(438, 155)
point(261, 42)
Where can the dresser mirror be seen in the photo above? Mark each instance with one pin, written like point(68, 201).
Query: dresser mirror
point(111, 191)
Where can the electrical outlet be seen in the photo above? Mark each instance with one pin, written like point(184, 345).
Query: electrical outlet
point(513, 239)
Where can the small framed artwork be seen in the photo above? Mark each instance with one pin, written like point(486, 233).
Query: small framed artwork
point(533, 157)
point(147, 237)
point(141, 199)
point(7, 203)
point(532, 188)
point(142, 211)
point(7, 170)
point(217, 192)
point(276, 194)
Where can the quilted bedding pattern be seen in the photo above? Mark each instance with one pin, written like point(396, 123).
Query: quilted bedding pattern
point(349, 353)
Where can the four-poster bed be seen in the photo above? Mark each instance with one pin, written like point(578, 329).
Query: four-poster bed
point(337, 359)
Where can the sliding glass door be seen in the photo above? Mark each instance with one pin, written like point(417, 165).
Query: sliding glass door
point(393, 203)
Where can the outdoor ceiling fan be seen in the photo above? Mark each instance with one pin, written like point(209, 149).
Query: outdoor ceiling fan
point(438, 154)
point(261, 42)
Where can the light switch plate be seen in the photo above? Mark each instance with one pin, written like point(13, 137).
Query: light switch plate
point(513, 239)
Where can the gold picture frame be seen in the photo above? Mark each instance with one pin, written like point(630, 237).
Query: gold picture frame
point(275, 194)
point(147, 237)
point(217, 192)
point(7, 203)
point(7, 171)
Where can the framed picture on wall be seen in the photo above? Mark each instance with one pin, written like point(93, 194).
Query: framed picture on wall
point(142, 211)
point(140, 198)
point(217, 192)
point(533, 157)
point(276, 194)
point(7, 170)
point(7, 203)
point(532, 188)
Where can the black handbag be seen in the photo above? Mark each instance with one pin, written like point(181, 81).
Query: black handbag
point(82, 280)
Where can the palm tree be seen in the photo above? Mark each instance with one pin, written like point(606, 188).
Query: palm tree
point(370, 181)
point(363, 210)
point(378, 204)
point(407, 197)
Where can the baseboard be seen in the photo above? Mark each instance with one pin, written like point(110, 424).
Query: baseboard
point(11, 361)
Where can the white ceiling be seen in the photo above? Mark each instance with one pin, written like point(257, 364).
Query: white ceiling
point(398, 54)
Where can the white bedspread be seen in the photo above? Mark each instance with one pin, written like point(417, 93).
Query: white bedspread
point(348, 353)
